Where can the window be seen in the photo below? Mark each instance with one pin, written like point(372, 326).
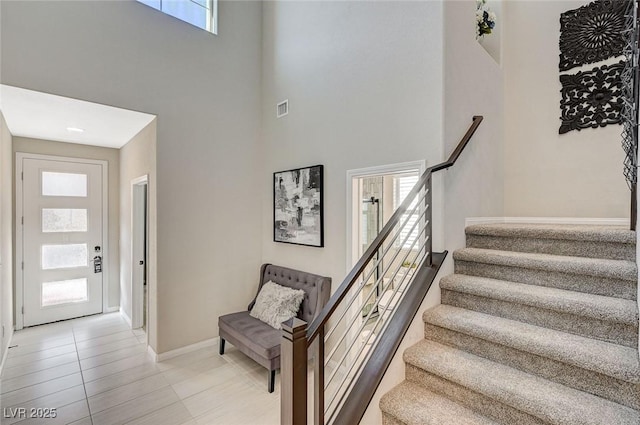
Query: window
point(201, 13)
point(64, 220)
point(64, 256)
point(64, 291)
point(64, 184)
point(401, 188)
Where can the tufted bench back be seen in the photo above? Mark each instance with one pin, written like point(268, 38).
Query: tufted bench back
point(317, 288)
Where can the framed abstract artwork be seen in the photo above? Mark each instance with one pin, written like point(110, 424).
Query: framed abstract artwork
point(298, 215)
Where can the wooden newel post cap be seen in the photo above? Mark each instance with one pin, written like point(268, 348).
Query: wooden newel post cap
point(294, 328)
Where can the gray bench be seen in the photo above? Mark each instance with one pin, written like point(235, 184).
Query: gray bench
point(260, 341)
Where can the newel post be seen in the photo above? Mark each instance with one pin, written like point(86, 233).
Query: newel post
point(293, 372)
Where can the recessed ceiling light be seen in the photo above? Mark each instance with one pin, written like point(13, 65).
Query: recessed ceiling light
point(75, 130)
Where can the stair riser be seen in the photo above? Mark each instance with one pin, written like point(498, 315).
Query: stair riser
point(618, 333)
point(477, 402)
point(590, 249)
point(585, 380)
point(618, 288)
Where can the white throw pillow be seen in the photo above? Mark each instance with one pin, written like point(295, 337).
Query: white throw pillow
point(276, 304)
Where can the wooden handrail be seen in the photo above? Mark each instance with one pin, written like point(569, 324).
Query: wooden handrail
point(477, 119)
point(351, 278)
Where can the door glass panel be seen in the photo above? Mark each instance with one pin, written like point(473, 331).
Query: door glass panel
point(64, 256)
point(64, 184)
point(64, 291)
point(64, 220)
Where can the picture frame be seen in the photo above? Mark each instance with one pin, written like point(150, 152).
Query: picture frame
point(298, 206)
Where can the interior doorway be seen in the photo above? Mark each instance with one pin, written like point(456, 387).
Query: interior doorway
point(373, 195)
point(139, 252)
point(375, 198)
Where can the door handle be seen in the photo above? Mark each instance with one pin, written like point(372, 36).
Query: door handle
point(141, 263)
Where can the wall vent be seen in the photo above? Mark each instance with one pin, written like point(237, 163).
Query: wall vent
point(282, 109)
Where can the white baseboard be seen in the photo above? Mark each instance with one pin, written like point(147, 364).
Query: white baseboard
point(112, 309)
point(152, 354)
point(470, 221)
point(126, 318)
point(187, 349)
point(6, 351)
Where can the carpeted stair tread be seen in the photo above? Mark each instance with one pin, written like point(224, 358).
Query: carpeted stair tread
point(615, 269)
point(578, 303)
point(617, 234)
point(613, 360)
point(538, 397)
point(412, 404)
point(612, 242)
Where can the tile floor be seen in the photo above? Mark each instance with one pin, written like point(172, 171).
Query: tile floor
point(95, 370)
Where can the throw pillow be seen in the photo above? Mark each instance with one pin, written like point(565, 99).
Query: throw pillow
point(276, 304)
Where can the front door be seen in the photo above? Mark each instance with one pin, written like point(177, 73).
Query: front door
point(62, 239)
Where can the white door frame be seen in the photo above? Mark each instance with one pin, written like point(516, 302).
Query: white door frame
point(19, 307)
point(137, 293)
point(353, 217)
point(401, 167)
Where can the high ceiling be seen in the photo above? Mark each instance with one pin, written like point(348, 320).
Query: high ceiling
point(44, 116)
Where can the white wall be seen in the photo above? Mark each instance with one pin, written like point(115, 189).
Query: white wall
point(365, 86)
point(72, 150)
point(577, 174)
point(6, 237)
point(364, 83)
point(474, 186)
point(205, 91)
point(138, 158)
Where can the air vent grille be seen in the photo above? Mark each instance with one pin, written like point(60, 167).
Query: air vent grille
point(282, 109)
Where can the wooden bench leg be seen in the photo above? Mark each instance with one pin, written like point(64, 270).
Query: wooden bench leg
point(272, 380)
point(222, 341)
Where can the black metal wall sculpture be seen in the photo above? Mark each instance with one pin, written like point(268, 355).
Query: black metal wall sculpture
point(591, 99)
point(609, 94)
point(589, 34)
point(592, 33)
point(630, 96)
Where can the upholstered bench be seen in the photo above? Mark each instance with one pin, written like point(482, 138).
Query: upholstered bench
point(260, 341)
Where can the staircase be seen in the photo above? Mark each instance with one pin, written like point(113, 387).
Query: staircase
point(538, 325)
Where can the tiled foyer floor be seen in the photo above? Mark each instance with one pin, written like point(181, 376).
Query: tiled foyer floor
point(95, 370)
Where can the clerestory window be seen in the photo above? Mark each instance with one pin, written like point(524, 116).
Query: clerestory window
point(201, 13)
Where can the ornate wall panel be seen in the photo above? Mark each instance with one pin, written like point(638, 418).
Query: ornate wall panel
point(592, 33)
point(591, 99)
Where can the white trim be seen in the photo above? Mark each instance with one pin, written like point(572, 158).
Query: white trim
point(19, 253)
point(112, 309)
point(19, 236)
point(105, 235)
point(470, 221)
point(152, 353)
point(125, 316)
point(421, 165)
point(186, 349)
point(548, 220)
point(137, 294)
point(6, 351)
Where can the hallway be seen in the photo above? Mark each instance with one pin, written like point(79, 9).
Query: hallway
point(96, 370)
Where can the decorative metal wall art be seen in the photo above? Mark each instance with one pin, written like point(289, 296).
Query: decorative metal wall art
point(592, 33)
point(630, 94)
point(591, 99)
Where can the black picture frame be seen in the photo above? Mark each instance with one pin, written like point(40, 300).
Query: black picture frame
point(298, 206)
